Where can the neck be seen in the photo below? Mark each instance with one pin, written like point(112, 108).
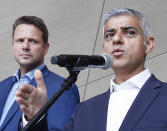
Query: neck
point(123, 75)
point(26, 69)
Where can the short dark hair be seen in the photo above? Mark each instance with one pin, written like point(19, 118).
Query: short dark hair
point(33, 20)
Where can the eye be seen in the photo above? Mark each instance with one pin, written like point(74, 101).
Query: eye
point(130, 33)
point(33, 41)
point(19, 41)
point(108, 36)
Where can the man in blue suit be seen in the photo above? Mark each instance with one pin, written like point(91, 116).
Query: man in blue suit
point(136, 98)
point(30, 45)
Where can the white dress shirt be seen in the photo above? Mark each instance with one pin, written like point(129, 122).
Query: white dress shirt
point(122, 97)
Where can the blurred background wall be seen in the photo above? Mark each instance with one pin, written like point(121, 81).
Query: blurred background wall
point(75, 27)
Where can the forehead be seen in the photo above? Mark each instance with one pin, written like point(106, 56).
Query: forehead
point(123, 21)
point(27, 30)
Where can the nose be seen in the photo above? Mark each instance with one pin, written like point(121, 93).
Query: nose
point(26, 45)
point(117, 38)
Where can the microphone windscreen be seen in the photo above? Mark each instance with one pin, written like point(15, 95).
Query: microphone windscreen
point(108, 60)
point(54, 60)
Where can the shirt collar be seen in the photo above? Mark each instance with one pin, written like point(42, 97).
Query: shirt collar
point(136, 81)
point(29, 74)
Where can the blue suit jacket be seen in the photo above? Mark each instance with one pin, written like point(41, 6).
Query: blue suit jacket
point(147, 113)
point(58, 114)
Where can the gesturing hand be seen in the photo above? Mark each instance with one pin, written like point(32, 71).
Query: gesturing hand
point(30, 98)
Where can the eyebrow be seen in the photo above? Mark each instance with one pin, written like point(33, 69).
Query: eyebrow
point(110, 30)
point(123, 28)
point(129, 27)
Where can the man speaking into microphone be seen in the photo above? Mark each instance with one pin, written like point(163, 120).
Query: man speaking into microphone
point(136, 99)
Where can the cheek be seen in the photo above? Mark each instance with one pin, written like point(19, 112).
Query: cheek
point(107, 47)
point(38, 51)
point(15, 49)
point(137, 53)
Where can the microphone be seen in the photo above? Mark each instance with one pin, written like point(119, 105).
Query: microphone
point(80, 62)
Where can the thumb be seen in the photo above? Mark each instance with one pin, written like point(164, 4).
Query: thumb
point(39, 79)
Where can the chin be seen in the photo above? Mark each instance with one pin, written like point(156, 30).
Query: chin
point(119, 66)
point(27, 63)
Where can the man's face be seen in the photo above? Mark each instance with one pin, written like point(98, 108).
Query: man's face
point(28, 46)
point(124, 41)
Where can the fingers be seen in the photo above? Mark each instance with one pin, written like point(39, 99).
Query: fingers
point(22, 101)
point(22, 95)
point(39, 79)
point(25, 97)
point(26, 88)
point(24, 91)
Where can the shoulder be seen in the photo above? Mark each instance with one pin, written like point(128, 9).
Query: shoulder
point(158, 84)
point(157, 81)
point(104, 97)
point(51, 76)
point(6, 84)
point(5, 81)
point(53, 82)
point(92, 105)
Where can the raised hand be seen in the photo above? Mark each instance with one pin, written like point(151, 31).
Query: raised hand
point(30, 98)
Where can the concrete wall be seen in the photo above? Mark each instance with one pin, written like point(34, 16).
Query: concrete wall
point(75, 27)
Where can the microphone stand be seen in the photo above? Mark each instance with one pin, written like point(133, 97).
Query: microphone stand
point(66, 85)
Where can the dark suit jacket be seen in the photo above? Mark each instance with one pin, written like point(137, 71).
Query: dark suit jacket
point(58, 114)
point(147, 113)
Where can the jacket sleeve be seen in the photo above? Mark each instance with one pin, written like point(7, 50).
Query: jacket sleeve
point(40, 126)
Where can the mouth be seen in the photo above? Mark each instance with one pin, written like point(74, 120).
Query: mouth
point(25, 55)
point(117, 52)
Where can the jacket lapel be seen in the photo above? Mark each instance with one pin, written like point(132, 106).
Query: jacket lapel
point(13, 110)
point(5, 90)
point(101, 108)
point(146, 96)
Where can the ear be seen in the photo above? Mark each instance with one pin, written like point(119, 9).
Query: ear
point(46, 48)
point(150, 43)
